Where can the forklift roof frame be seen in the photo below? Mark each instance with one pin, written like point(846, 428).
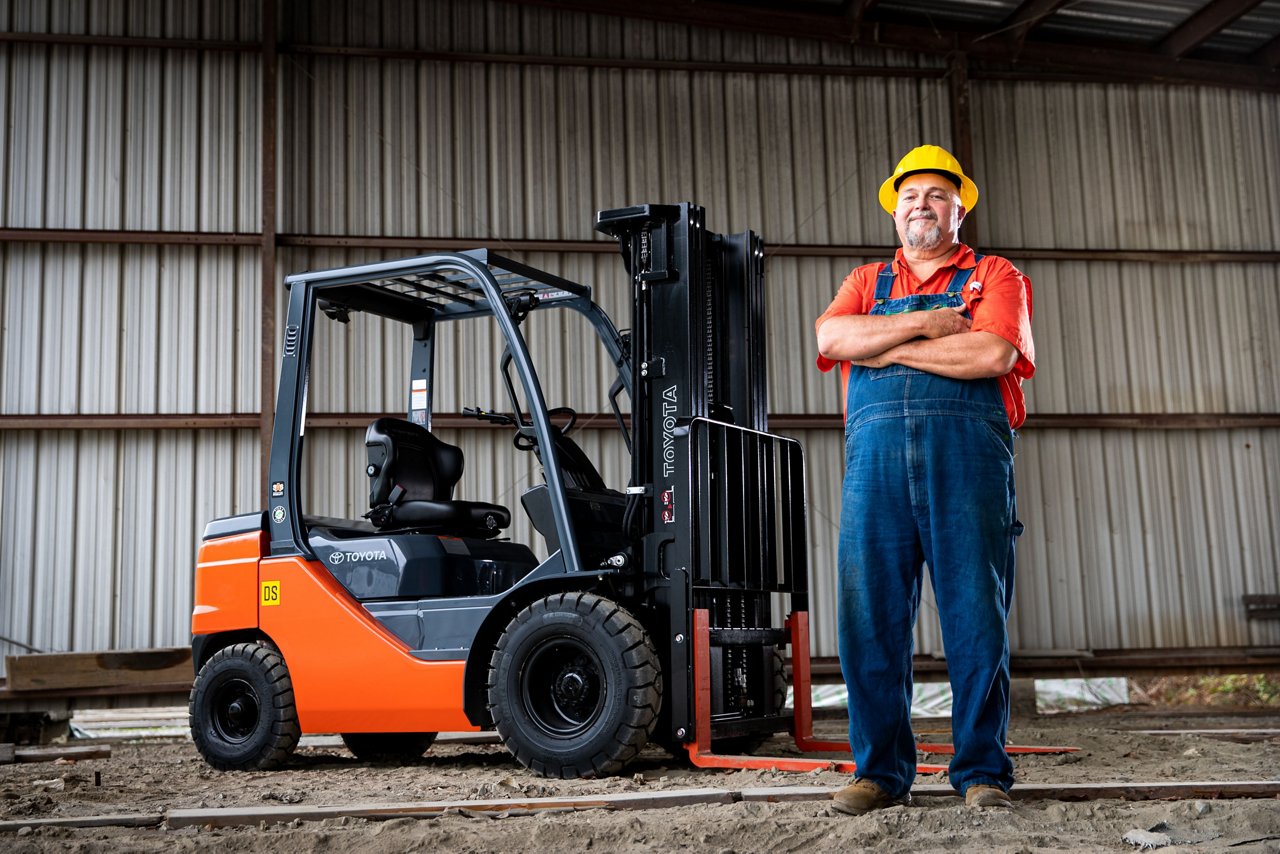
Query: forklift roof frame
point(425, 289)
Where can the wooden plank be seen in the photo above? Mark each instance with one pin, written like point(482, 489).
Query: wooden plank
point(1128, 791)
point(231, 817)
point(113, 820)
point(78, 670)
point(784, 794)
point(427, 809)
point(7, 754)
point(1058, 792)
point(51, 754)
point(1242, 736)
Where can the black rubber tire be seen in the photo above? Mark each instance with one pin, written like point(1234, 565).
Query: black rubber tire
point(242, 712)
point(388, 746)
point(575, 686)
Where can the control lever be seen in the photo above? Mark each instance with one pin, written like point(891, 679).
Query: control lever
point(485, 415)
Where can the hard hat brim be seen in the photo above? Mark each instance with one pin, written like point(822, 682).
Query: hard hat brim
point(889, 189)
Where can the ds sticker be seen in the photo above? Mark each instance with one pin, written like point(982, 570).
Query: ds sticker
point(270, 593)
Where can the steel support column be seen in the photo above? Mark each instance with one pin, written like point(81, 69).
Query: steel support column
point(270, 105)
point(962, 127)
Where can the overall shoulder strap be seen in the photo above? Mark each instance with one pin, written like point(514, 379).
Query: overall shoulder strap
point(884, 283)
point(961, 276)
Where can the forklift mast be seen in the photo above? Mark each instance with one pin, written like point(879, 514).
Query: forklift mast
point(724, 500)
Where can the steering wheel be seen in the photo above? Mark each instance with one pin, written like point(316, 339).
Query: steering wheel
point(569, 413)
point(527, 442)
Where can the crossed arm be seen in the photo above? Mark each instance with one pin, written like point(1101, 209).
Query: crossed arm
point(938, 341)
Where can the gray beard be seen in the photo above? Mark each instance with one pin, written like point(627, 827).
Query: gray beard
point(928, 239)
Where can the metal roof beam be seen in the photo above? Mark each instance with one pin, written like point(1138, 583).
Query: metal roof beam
point(1203, 25)
point(857, 10)
point(832, 27)
point(1268, 55)
point(1110, 64)
point(1092, 63)
point(1027, 17)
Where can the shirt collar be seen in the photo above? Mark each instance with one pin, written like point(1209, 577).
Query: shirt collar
point(961, 259)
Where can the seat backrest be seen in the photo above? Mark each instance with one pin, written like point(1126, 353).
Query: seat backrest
point(407, 455)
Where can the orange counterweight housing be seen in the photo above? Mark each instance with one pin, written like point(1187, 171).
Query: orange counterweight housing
point(350, 674)
point(226, 583)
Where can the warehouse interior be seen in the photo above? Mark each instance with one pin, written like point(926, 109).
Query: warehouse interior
point(168, 162)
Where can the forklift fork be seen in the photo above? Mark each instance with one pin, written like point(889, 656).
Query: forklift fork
point(802, 729)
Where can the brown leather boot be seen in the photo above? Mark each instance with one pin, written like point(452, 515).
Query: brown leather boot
point(980, 795)
point(863, 796)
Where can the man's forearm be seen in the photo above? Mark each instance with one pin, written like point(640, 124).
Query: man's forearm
point(851, 337)
point(967, 356)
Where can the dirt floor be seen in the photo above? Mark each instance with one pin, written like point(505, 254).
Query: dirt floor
point(154, 775)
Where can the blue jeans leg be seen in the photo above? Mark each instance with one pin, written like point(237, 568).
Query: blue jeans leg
point(879, 575)
point(968, 543)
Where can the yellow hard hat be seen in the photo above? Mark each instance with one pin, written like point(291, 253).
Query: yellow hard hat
point(928, 158)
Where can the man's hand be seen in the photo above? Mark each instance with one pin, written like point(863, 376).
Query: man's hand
point(972, 356)
point(942, 322)
point(851, 337)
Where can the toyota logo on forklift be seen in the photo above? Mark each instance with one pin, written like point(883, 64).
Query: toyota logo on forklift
point(356, 557)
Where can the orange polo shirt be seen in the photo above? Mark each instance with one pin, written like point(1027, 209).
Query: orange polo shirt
point(997, 296)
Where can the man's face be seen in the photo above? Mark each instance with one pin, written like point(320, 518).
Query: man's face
point(929, 211)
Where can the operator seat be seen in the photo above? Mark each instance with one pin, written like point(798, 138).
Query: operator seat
point(412, 476)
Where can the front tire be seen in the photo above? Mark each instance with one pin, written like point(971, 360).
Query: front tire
point(388, 746)
point(575, 686)
point(242, 712)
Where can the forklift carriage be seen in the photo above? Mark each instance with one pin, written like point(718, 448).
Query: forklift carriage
point(422, 618)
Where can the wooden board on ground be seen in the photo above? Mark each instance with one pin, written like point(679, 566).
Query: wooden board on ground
point(66, 671)
point(427, 809)
point(116, 820)
point(239, 816)
point(52, 754)
point(1205, 789)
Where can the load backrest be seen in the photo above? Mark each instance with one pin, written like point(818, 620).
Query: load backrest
point(407, 455)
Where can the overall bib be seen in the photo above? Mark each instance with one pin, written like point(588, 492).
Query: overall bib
point(928, 479)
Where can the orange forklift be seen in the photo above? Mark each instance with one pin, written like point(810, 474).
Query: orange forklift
point(651, 619)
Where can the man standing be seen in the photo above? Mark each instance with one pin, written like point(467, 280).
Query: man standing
point(933, 348)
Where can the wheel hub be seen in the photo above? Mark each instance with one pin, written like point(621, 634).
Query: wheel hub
point(563, 689)
point(235, 710)
point(571, 687)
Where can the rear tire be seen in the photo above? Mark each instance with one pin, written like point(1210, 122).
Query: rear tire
point(575, 686)
point(242, 711)
point(388, 746)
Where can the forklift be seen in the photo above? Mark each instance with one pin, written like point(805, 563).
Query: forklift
point(653, 617)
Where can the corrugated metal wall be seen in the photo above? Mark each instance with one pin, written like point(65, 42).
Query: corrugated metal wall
point(1135, 538)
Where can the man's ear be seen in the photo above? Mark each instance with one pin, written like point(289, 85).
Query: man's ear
point(961, 213)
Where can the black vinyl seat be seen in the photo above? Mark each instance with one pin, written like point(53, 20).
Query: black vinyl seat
point(412, 476)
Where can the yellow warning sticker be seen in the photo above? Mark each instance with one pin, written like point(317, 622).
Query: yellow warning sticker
point(270, 593)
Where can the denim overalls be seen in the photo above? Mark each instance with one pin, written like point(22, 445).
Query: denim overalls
point(928, 479)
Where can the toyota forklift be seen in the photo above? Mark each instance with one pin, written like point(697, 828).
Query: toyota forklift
point(652, 619)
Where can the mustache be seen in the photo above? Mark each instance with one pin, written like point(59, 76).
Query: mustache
point(931, 217)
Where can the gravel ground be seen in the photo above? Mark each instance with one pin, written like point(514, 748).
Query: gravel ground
point(157, 774)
